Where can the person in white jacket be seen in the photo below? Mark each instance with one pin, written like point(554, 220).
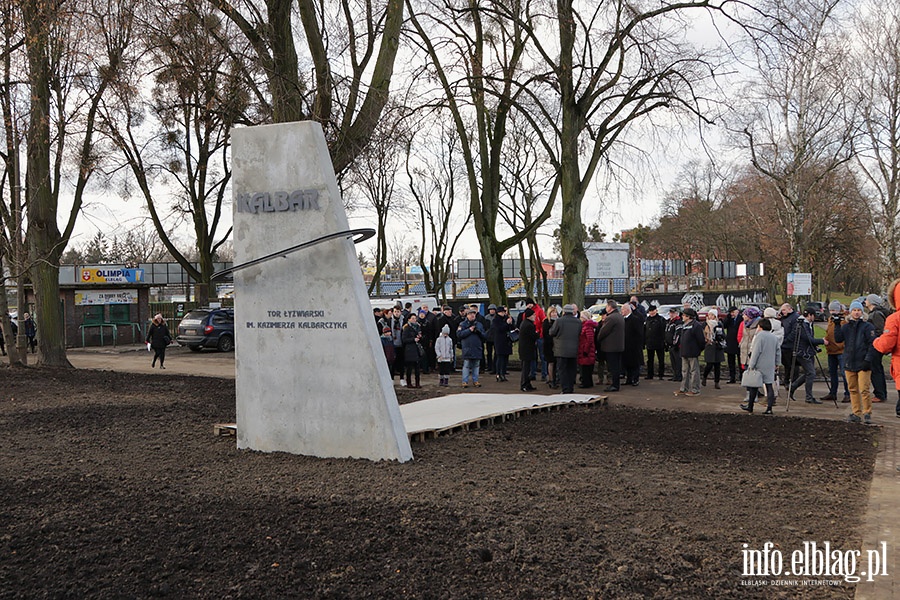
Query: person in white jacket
point(443, 348)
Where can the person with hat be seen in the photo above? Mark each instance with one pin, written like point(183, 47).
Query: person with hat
point(566, 335)
point(489, 359)
point(835, 352)
point(805, 357)
point(443, 350)
point(527, 348)
point(889, 341)
point(501, 327)
point(858, 337)
point(673, 342)
point(655, 341)
point(611, 341)
point(732, 323)
point(877, 315)
point(471, 336)
point(692, 344)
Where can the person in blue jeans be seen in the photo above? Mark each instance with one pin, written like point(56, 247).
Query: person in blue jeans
point(471, 336)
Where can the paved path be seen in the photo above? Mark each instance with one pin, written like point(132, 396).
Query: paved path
point(882, 522)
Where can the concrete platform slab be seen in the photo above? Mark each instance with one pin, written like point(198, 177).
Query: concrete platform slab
point(446, 413)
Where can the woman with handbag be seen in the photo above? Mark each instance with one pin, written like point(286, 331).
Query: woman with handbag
point(761, 366)
point(158, 337)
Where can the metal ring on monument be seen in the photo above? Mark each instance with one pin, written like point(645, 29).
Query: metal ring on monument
point(358, 235)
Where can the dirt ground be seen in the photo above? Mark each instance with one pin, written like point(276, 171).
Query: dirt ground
point(113, 486)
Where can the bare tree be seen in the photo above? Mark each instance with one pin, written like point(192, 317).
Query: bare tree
point(352, 45)
point(433, 169)
point(875, 58)
point(181, 134)
point(372, 177)
point(73, 53)
point(796, 128)
point(597, 70)
point(476, 56)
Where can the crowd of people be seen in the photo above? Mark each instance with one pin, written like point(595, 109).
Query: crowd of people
point(564, 346)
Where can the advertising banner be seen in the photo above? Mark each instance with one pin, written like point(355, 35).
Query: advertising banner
point(111, 275)
point(92, 297)
point(799, 284)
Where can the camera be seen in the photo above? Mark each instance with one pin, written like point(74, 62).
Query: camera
point(836, 318)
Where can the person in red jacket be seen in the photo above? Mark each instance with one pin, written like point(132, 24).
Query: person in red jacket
point(587, 351)
point(889, 341)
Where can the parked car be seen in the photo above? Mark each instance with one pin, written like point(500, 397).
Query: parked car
point(701, 314)
point(820, 308)
point(207, 328)
point(664, 310)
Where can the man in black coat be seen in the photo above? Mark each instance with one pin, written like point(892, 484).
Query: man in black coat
point(806, 356)
point(611, 341)
point(655, 340)
point(565, 333)
point(732, 323)
point(789, 318)
point(633, 355)
point(673, 342)
point(693, 341)
point(527, 348)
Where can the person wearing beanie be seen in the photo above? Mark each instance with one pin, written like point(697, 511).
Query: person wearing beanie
point(858, 336)
point(877, 314)
point(835, 355)
point(764, 358)
point(158, 337)
point(527, 348)
point(387, 344)
point(504, 333)
point(889, 341)
point(443, 349)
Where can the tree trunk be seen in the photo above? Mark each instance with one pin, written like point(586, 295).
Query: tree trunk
point(13, 351)
point(43, 234)
point(492, 258)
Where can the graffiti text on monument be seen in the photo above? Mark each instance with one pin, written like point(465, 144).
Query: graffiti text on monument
point(278, 201)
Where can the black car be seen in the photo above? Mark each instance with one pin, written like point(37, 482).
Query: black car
point(207, 328)
point(819, 307)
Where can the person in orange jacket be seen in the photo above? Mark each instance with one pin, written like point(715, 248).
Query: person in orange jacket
point(889, 341)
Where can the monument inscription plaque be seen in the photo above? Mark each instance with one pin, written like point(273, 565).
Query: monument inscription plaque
point(310, 372)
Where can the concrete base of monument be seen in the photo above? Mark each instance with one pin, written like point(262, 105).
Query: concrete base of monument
point(460, 412)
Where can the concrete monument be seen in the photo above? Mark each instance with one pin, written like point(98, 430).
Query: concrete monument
point(311, 374)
